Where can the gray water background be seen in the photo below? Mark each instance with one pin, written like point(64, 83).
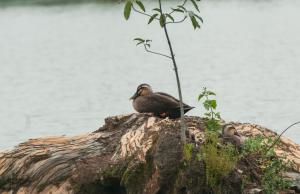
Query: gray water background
point(64, 68)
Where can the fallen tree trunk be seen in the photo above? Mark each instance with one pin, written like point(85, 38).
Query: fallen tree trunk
point(130, 154)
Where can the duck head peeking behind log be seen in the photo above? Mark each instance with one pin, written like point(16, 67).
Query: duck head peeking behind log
point(158, 103)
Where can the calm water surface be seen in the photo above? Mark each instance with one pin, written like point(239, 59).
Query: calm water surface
point(63, 69)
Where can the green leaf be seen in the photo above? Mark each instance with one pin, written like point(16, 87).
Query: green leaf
point(207, 114)
point(212, 125)
point(148, 40)
point(213, 104)
point(148, 45)
point(169, 16)
point(210, 93)
point(162, 20)
point(156, 9)
point(210, 104)
point(195, 5)
point(127, 9)
point(139, 39)
point(206, 104)
point(178, 10)
point(194, 22)
point(141, 5)
point(201, 96)
point(182, 7)
point(218, 116)
point(152, 18)
point(200, 18)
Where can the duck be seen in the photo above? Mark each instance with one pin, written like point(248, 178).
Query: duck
point(160, 104)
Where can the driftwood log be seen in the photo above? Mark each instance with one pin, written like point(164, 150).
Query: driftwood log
point(131, 154)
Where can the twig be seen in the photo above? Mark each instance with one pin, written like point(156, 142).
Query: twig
point(282, 134)
point(184, 2)
point(156, 53)
point(176, 22)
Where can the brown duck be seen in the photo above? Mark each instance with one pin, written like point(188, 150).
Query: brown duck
point(158, 103)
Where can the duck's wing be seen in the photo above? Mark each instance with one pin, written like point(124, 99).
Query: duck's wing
point(169, 97)
point(159, 103)
point(156, 103)
point(166, 99)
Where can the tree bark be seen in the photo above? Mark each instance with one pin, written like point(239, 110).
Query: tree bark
point(131, 154)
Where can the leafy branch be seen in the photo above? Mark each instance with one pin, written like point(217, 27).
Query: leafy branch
point(182, 5)
point(147, 45)
point(140, 12)
point(163, 17)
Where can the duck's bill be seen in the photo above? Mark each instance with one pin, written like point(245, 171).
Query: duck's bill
point(134, 96)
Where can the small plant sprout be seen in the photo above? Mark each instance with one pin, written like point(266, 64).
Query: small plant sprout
point(175, 15)
point(212, 118)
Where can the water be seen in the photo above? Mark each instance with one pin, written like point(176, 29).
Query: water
point(63, 69)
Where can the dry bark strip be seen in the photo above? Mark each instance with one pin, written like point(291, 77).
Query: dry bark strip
point(133, 153)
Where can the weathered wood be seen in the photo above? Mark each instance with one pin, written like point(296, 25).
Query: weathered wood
point(134, 153)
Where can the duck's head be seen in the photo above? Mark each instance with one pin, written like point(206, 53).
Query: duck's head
point(142, 90)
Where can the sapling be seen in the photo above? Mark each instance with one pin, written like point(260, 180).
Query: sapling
point(165, 18)
point(212, 118)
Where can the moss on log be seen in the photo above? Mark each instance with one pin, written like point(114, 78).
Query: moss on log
point(131, 154)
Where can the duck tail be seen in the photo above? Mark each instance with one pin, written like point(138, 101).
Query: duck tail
point(187, 108)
